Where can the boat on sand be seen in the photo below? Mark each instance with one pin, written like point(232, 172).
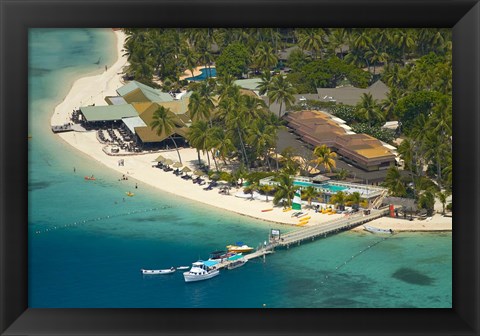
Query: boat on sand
point(373, 229)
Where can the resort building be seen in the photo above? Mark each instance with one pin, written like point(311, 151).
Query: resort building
point(350, 95)
point(132, 111)
point(319, 128)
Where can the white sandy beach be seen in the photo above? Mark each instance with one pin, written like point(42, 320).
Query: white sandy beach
point(93, 89)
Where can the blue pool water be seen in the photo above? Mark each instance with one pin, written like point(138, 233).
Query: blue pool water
point(87, 245)
point(205, 73)
point(330, 187)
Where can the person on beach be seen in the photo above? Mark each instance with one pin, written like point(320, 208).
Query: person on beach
point(105, 68)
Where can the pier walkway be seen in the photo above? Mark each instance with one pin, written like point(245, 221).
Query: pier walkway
point(310, 233)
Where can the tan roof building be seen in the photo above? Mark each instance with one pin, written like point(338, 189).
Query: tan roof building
point(317, 128)
point(146, 111)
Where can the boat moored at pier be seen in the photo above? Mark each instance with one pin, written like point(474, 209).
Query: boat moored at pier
point(201, 270)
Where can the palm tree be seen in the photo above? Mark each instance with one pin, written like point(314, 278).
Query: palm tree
point(355, 198)
point(309, 194)
point(393, 181)
point(195, 106)
point(190, 59)
point(233, 113)
point(206, 90)
point(369, 109)
point(442, 197)
point(427, 201)
point(290, 165)
point(262, 138)
point(339, 198)
point(285, 190)
point(403, 39)
point(267, 189)
point(389, 104)
point(311, 39)
point(222, 142)
point(342, 174)
point(337, 38)
point(265, 57)
point(376, 55)
point(324, 156)
point(198, 138)
point(281, 91)
point(164, 123)
point(265, 84)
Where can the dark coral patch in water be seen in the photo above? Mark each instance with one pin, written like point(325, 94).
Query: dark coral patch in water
point(413, 277)
point(38, 185)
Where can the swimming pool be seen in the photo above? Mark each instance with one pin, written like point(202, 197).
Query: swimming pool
point(329, 187)
point(205, 73)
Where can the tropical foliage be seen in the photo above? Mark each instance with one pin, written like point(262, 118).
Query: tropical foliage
point(228, 126)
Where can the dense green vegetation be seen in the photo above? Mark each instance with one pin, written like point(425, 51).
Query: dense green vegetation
point(416, 65)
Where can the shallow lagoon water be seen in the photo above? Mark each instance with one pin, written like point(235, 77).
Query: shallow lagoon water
point(88, 242)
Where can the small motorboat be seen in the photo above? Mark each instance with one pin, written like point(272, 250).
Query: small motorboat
point(236, 261)
point(239, 247)
point(158, 272)
point(221, 255)
point(201, 270)
point(373, 229)
point(183, 267)
point(129, 194)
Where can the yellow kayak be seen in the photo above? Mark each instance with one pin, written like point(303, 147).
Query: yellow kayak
point(303, 223)
point(288, 209)
point(305, 218)
point(130, 194)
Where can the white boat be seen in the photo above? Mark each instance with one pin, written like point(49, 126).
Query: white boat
point(239, 248)
point(157, 272)
point(236, 261)
point(201, 270)
point(377, 230)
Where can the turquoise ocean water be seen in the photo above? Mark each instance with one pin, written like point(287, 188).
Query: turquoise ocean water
point(87, 245)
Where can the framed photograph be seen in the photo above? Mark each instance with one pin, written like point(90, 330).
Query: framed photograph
point(239, 167)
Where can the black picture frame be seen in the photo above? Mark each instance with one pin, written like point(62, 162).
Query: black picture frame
point(20, 15)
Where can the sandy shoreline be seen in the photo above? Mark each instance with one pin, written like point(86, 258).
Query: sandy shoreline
point(93, 89)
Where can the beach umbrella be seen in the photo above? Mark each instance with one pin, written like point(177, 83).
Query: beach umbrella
point(186, 170)
point(198, 172)
point(168, 162)
point(160, 159)
point(177, 165)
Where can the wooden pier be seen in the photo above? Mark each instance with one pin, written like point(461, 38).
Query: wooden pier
point(261, 252)
point(342, 224)
point(311, 233)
